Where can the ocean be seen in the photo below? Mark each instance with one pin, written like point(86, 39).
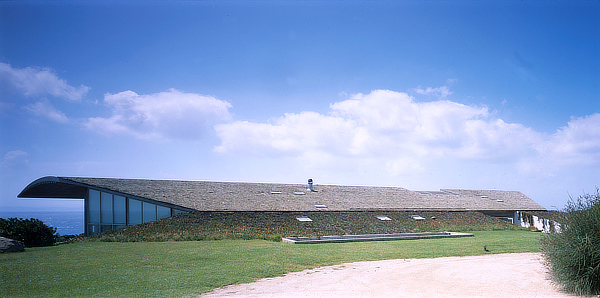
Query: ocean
point(65, 222)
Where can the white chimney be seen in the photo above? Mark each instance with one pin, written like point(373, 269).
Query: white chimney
point(310, 185)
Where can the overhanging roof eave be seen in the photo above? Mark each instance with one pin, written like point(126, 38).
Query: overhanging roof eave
point(53, 188)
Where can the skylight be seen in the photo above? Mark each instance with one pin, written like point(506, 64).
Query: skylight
point(487, 197)
point(320, 205)
point(432, 192)
point(303, 218)
point(275, 192)
point(383, 217)
point(299, 193)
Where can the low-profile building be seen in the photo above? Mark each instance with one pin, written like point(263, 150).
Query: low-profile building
point(111, 203)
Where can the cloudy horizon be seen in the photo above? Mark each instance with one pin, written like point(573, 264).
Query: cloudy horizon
point(270, 109)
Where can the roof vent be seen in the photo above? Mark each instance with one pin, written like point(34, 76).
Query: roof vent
point(417, 217)
point(310, 185)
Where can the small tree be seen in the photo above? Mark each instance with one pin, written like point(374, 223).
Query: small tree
point(32, 232)
point(573, 254)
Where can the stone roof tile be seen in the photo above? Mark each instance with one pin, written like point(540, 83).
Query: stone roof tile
point(242, 196)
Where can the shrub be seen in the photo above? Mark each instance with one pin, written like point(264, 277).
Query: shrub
point(32, 232)
point(61, 239)
point(573, 255)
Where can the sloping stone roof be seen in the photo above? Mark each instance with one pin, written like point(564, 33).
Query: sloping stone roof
point(240, 196)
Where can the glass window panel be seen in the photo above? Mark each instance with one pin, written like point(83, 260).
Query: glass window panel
point(177, 211)
point(149, 212)
point(162, 212)
point(93, 229)
point(120, 209)
point(94, 206)
point(106, 208)
point(135, 212)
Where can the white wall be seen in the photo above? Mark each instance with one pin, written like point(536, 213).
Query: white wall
point(541, 224)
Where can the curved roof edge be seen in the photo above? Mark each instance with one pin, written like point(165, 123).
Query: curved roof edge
point(53, 187)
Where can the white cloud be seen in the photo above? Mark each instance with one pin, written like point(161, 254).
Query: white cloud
point(44, 109)
point(565, 161)
point(578, 143)
point(15, 159)
point(440, 92)
point(388, 138)
point(293, 134)
point(382, 134)
point(451, 81)
point(164, 115)
point(403, 165)
point(384, 125)
point(39, 82)
point(494, 138)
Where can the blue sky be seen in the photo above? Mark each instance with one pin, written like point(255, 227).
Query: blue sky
point(416, 94)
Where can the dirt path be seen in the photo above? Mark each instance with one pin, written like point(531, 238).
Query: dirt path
point(501, 275)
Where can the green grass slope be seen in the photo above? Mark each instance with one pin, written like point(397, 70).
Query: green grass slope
point(188, 268)
point(274, 225)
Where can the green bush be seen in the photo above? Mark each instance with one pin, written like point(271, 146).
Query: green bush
point(573, 254)
point(32, 232)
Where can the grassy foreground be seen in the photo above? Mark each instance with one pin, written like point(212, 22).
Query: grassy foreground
point(188, 268)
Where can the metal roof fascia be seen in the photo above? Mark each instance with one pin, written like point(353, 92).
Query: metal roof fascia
point(47, 180)
point(65, 180)
point(114, 192)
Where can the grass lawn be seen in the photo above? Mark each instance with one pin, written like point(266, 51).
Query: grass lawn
point(188, 268)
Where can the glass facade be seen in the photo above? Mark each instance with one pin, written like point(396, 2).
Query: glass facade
point(134, 212)
point(163, 212)
point(149, 212)
point(106, 208)
point(120, 210)
point(94, 206)
point(106, 212)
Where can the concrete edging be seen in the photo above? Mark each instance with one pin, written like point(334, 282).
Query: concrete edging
point(372, 237)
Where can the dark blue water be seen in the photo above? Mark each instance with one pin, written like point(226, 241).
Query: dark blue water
point(66, 223)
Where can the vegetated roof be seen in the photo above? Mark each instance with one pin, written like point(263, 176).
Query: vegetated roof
point(241, 196)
